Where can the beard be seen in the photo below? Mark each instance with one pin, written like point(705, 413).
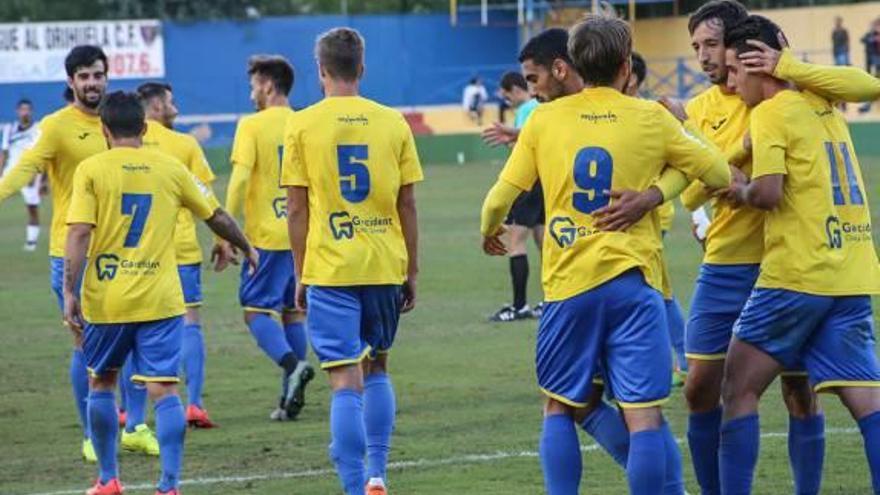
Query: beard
point(85, 96)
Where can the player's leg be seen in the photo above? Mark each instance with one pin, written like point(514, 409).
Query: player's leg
point(604, 423)
point(567, 350)
point(675, 321)
point(770, 334)
point(806, 432)
point(334, 324)
point(380, 316)
point(193, 356)
point(31, 195)
point(638, 362)
point(156, 356)
point(136, 436)
point(295, 333)
point(262, 294)
point(518, 261)
point(841, 359)
point(720, 293)
point(77, 372)
point(105, 348)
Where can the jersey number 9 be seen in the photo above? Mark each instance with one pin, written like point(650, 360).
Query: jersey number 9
point(593, 167)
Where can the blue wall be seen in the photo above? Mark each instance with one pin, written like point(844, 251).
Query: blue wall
point(411, 60)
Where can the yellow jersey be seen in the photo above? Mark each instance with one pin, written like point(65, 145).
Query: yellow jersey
point(735, 235)
point(132, 197)
point(67, 137)
point(818, 240)
point(258, 145)
point(353, 155)
point(186, 150)
point(581, 145)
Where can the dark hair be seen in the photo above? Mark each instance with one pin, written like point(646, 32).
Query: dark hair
point(754, 27)
point(639, 68)
point(24, 101)
point(599, 46)
point(729, 12)
point(340, 52)
point(153, 89)
point(67, 95)
point(83, 56)
point(275, 68)
point(123, 114)
point(511, 79)
point(546, 47)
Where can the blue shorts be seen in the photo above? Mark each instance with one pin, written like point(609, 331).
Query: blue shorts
point(346, 324)
point(56, 279)
point(272, 287)
point(832, 336)
point(621, 325)
point(720, 294)
point(191, 282)
point(154, 347)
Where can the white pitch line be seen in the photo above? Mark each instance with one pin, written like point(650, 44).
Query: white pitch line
point(418, 463)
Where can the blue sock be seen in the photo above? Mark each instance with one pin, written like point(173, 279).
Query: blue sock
point(194, 363)
point(170, 431)
point(104, 425)
point(270, 337)
point(806, 452)
point(296, 338)
point(646, 467)
point(870, 427)
point(674, 484)
point(704, 435)
point(560, 455)
point(79, 381)
point(738, 454)
point(675, 321)
point(348, 442)
point(606, 426)
point(379, 410)
point(135, 398)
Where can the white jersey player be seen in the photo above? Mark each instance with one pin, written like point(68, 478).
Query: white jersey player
point(15, 138)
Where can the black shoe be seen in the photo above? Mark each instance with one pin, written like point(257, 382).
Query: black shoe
point(538, 310)
point(509, 313)
point(294, 396)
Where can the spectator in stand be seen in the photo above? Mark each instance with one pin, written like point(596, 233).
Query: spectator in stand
point(871, 40)
point(840, 42)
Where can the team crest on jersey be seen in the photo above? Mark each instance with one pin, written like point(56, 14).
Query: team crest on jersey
point(106, 265)
point(341, 225)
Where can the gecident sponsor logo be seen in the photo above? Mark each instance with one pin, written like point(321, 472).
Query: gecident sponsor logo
point(279, 206)
point(839, 232)
point(106, 265)
point(341, 225)
point(345, 226)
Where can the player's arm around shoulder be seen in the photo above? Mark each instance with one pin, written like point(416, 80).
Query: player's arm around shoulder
point(692, 154)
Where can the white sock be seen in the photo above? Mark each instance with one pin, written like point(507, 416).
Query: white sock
point(33, 233)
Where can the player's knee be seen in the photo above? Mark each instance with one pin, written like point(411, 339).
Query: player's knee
point(191, 316)
point(553, 407)
point(289, 317)
point(860, 401)
point(378, 364)
point(702, 393)
point(349, 376)
point(104, 382)
point(159, 390)
point(799, 397)
point(643, 418)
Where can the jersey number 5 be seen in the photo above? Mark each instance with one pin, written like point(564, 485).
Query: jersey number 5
point(855, 194)
point(354, 176)
point(593, 167)
point(138, 206)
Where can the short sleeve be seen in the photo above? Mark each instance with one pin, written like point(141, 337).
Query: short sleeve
point(196, 196)
point(521, 168)
point(410, 166)
point(244, 146)
point(198, 164)
point(769, 141)
point(293, 167)
point(83, 203)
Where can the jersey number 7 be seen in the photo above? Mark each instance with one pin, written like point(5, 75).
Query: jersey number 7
point(138, 206)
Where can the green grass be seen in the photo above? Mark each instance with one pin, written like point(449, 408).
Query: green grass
point(465, 386)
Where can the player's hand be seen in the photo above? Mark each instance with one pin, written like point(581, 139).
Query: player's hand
point(408, 295)
point(253, 258)
point(499, 135)
point(222, 255)
point(73, 317)
point(675, 107)
point(493, 245)
point(625, 209)
point(299, 300)
point(762, 60)
point(732, 193)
